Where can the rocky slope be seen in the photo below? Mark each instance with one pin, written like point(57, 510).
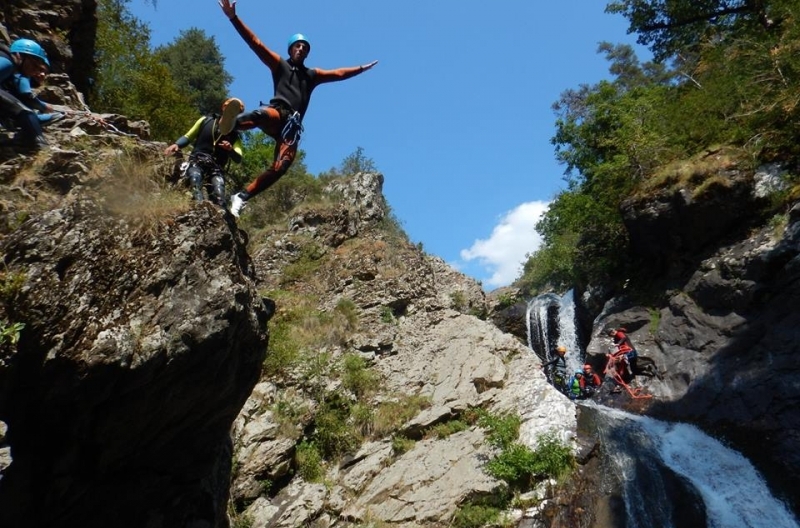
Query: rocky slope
point(142, 392)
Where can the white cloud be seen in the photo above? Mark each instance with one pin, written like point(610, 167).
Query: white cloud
point(503, 253)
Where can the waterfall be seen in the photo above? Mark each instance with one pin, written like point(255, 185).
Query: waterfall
point(674, 475)
point(669, 475)
point(550, 321)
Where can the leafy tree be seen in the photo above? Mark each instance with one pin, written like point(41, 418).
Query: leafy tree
point(673, 26)
point(130, 80)
point(197, 65)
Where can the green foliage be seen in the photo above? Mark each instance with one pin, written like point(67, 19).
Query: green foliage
point(731, 82)
point(10, 332)
point(288, 412)
point(387, 315)
point(308, 460)
point(333, 434)
point(392, 414)
point(10, 285)
point(520, 467)
point(357, 378)
point(242, 521)
point(353, 163)
point(308, 262)
point(284, 349)
point(506, 300)
point(358, 162)
point(517, 464)
point(475, 516)
point(130, 79)
point(349, 311)
point(458, 300)
point(670, 27)
point(402, 444)
point(197, 65)
point(502, 429)
point(655, 320)
point(443, 430)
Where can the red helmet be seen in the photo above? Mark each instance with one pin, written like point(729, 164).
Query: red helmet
point(587, 368)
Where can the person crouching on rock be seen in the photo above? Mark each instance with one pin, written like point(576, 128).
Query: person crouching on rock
point(21, 65)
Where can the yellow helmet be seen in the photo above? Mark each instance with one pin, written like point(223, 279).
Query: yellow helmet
point(561, 349)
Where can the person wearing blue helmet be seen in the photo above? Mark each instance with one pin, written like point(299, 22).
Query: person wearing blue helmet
point(282, 117)
point(22, 65)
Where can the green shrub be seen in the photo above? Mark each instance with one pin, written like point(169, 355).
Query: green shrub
point(10, 333)
point(308, 460)
point(475, 516)
point(390, 415)
point(333, 435)
point(387, 315)
point(283, 351)
point(402, 444)
point(446, 429)
point(520, 467)
point(502, 430)
point(357, 377)
point(458, 301)
point(347, 309)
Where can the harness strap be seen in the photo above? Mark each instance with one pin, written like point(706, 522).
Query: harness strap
point(293, 129)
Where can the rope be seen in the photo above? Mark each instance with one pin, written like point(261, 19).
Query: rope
point(612, 369)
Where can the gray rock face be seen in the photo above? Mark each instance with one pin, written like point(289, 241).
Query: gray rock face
point(728, 342)
point(140, 347)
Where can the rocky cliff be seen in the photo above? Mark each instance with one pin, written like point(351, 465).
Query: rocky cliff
point(142, 392)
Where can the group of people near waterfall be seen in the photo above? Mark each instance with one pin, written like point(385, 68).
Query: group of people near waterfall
point(586, 382)
point(216, 139)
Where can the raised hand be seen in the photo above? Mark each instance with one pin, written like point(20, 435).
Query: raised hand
point(228, 7)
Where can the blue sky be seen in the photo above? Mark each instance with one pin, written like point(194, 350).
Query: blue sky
point(456, 115)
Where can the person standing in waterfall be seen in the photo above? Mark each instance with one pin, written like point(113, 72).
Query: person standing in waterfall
point(282, 118)
point(558, 367)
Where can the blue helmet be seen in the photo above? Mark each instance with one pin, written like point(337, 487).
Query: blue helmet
point(298, 37)
point(29, 47)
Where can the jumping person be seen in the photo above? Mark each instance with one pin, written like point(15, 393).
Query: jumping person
point(282, 118)
point(215, 143)
point(21, 65)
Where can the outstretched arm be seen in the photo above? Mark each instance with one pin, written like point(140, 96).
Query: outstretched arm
point(267, 56)
point(341, 74)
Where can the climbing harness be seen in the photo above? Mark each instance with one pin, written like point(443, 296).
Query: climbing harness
point(613, 369)
point(293, 129)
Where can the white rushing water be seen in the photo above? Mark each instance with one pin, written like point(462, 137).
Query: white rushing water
point(733, 491)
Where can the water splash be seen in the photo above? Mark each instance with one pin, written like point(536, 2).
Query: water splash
point(733, 493)
point(550, 321)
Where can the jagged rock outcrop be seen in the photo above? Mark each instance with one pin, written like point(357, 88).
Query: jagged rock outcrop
point(415, 331)
point(140, 346)
point(144, 333)
point(726, 332)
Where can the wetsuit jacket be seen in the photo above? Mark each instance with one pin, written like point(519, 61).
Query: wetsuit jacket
point(292, 83)
point(16, 93)
point(621, 338)
point(590, 380)
point(206, 138)
point(559, 364)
